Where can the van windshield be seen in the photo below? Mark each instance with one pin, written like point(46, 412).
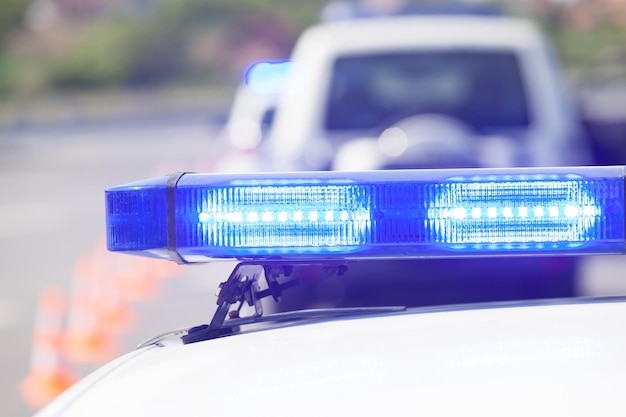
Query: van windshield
point(481, 88)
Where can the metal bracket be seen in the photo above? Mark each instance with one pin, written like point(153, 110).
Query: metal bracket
point(242, 287)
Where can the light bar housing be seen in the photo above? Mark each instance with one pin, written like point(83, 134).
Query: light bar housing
point(378, 214)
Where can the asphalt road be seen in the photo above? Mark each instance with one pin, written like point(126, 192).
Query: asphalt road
point(52, 215)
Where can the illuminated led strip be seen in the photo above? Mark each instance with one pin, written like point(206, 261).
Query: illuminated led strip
point(287, 216)
point(523, 211)
point(281, 216)
point(388, 214)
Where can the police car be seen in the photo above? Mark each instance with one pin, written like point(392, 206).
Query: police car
point(433, 87)
point(539, 357)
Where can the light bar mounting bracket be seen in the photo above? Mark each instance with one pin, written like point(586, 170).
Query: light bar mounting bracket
point(242, 287)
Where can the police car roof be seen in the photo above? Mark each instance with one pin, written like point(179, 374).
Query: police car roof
point(559, 358)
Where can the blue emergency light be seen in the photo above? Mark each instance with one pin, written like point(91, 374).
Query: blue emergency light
point(267, 77)
point(378, 214)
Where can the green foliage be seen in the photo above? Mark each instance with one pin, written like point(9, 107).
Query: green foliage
point(151, 49)
point(148, 48)
point(11, 14)
point(102, 57)
point(225, 12)
point(192, 41)
point(585, 51)
point(22, 75)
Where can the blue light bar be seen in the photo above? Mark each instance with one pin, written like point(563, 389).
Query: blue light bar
point(267, 77)
point(380, 214)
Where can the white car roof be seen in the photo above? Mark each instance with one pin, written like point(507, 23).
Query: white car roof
point(413, 31)
point(565, 358)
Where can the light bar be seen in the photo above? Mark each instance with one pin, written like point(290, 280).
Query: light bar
point(379, 214)
point(267, 77)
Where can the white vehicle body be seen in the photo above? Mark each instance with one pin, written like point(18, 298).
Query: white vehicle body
point(517, 359)
point(243, 132)
point(299, 139)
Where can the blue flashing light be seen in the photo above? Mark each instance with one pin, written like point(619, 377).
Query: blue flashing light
point(267, 77)
point(381, 214)
point(515, 212)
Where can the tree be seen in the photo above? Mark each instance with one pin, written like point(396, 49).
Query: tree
point(11, 15)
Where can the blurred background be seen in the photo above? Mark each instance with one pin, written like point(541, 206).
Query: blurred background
point(97, 93)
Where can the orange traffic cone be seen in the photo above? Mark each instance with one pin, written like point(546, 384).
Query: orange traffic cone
point(92, 325)
point(97, 278)
point(104, 288)
point(49, 375)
